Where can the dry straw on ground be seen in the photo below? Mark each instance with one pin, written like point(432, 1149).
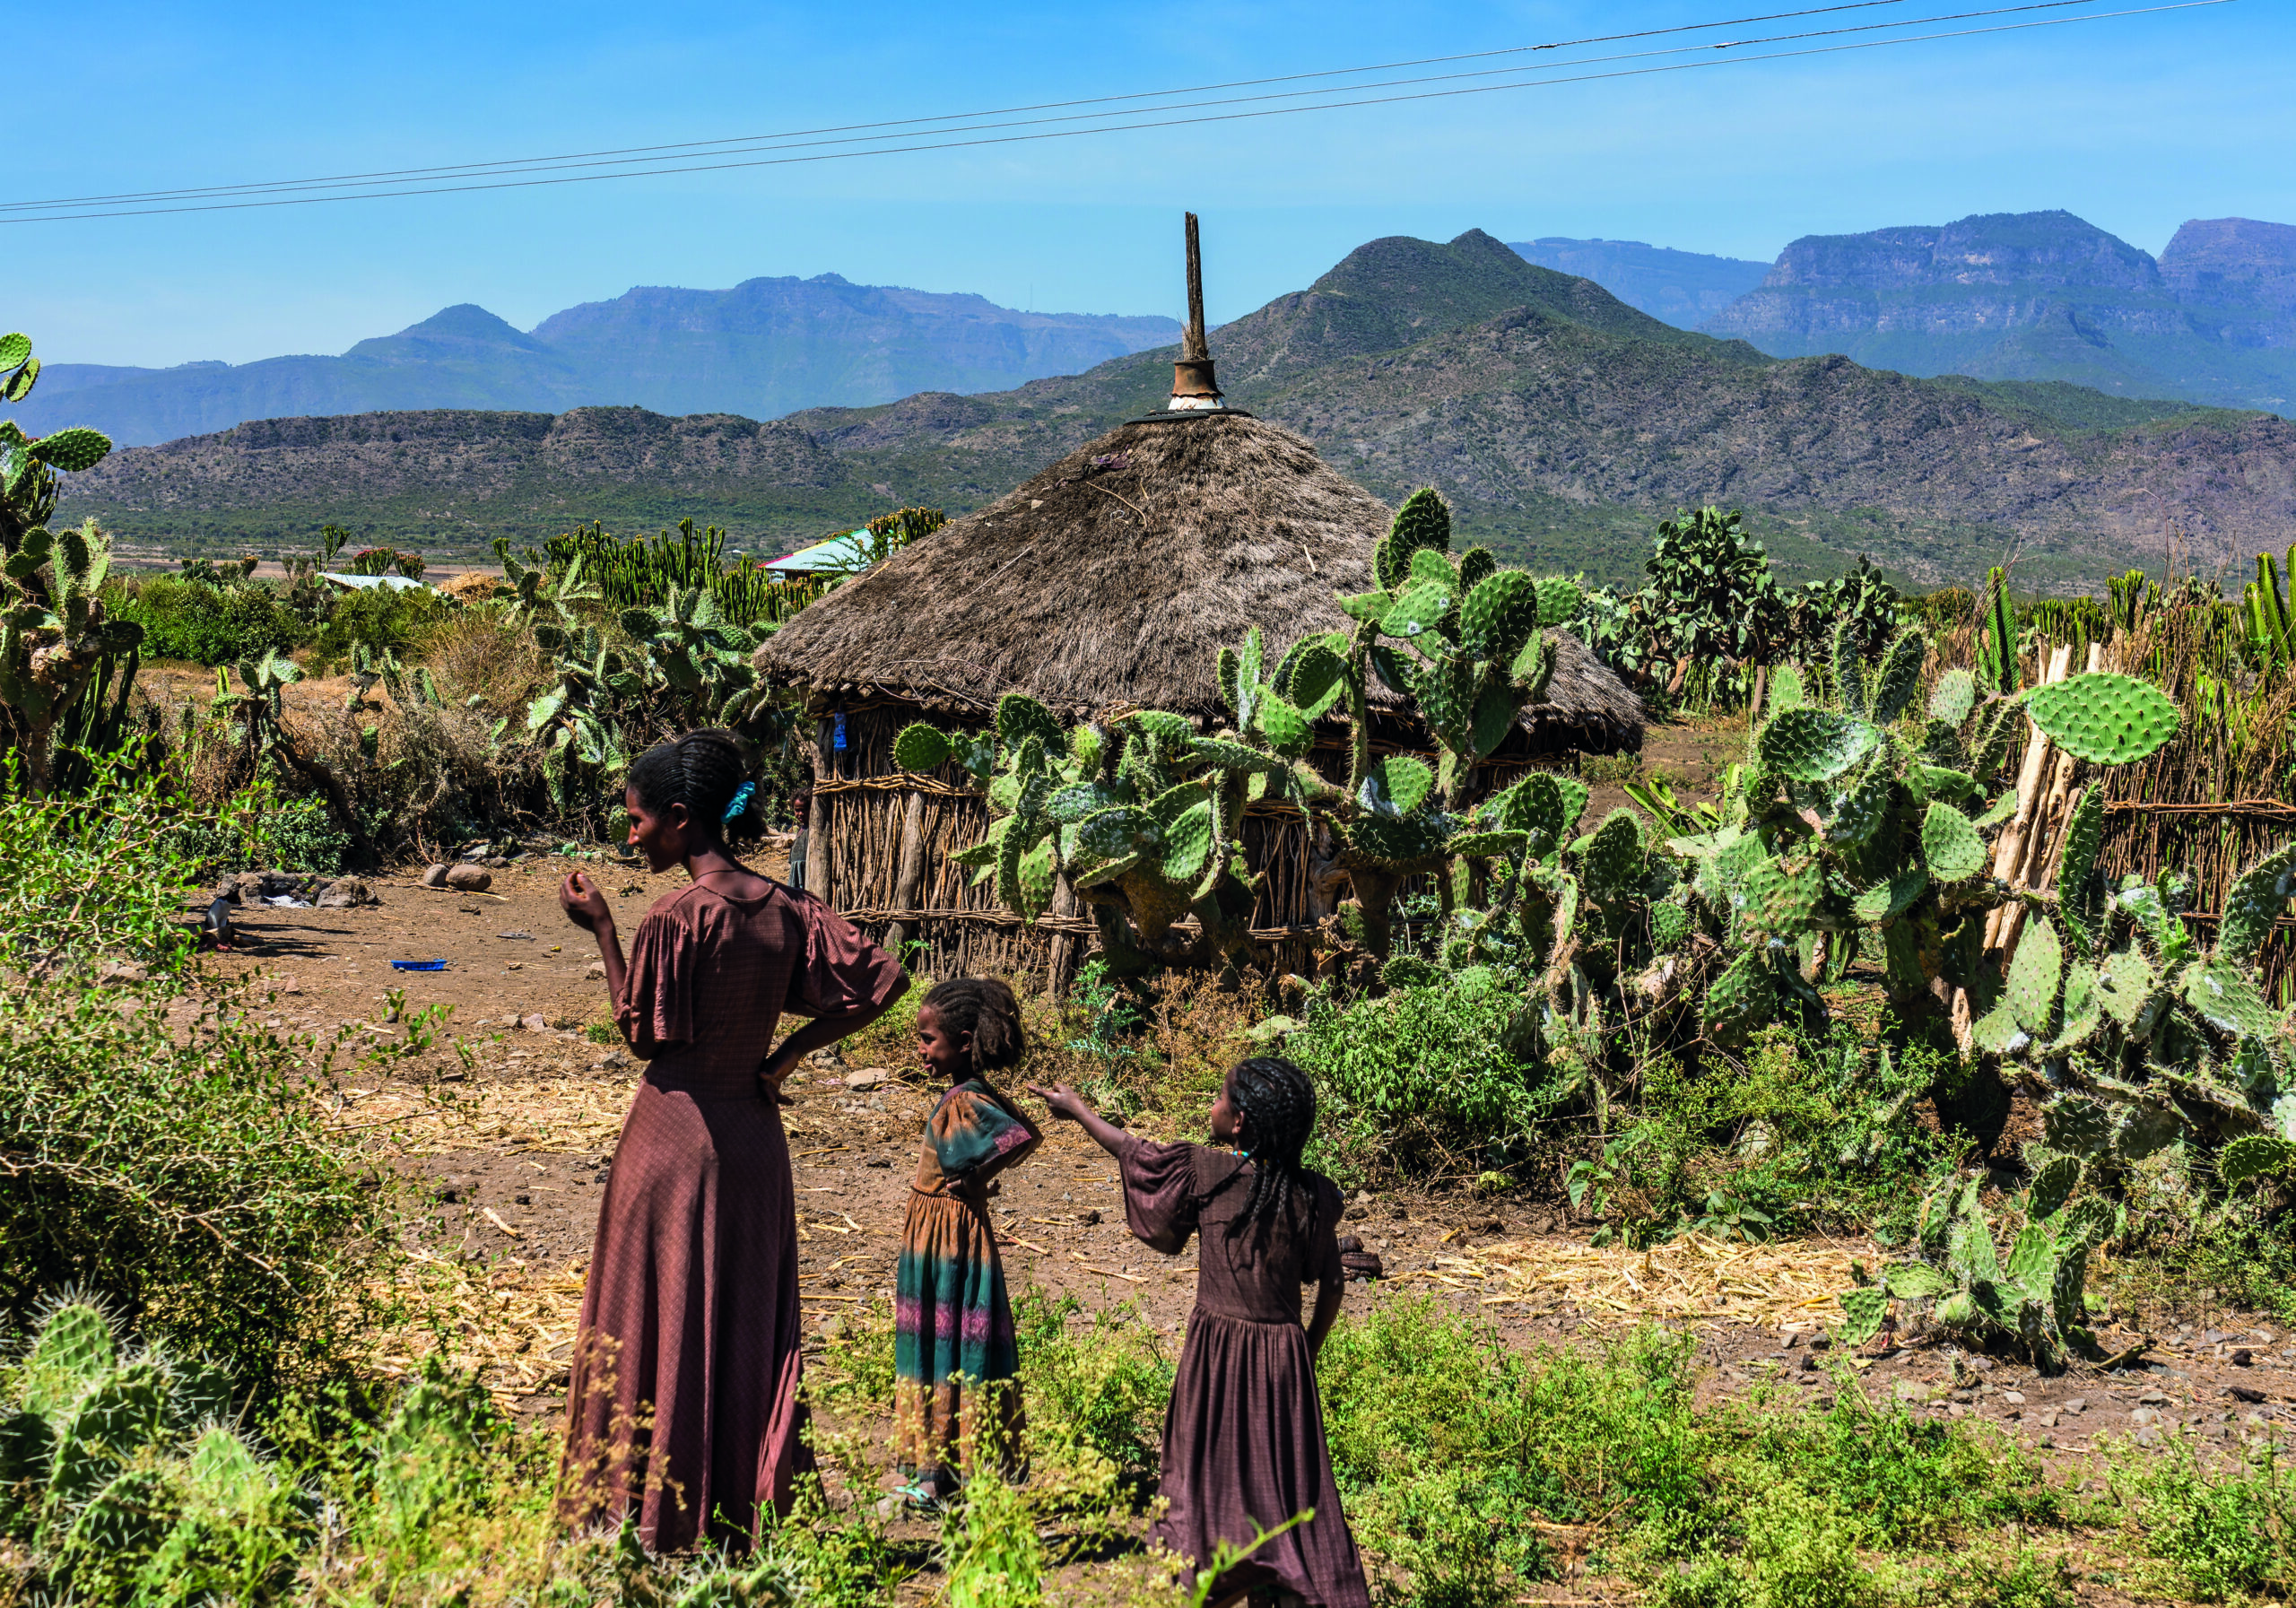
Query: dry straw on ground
point(1789, 1284)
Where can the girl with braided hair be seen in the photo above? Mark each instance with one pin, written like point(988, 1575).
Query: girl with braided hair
point(1244, 1435)
point(682, 1407)
point(955, 1361)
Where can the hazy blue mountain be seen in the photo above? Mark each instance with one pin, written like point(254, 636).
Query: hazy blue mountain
point(2043, 296)
point(1684, 288)
point(763, 348)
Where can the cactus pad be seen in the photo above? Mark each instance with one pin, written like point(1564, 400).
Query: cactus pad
point(15, 350)
point(1396, 785)
point(1187, 843)
point(2053, 1184)
point(1670, 925)
point(1224, 672)
point(2254, 1156)
point(1288, 731)
point(2222, 995)
point(2105, 720)
point(1367, 608)
point(1860, 808)
point(73, 1350)
point(1418, 609)
point(1435, 568)
point(1317, 678)
point(1036, 874)
point(1470, 846)
point(1115, 834)
point(73, 450)
point(1917, 1280)
point(1815, 746)
point(1886, 901)
point(1899, 676)
point(1533, 668)
point(1616, 861)
point(1949, 844)
point(1776, 898)
point(1494, 717)
point(1740, 998)
point(1499, 617)
point(1390, 841)
point(2259, 898)
point(2035, 974)
point(1862, 1314)
point(1938, 781)
point(2082, 1011)
point(1559, 600)
point(1020, 718)
point(1953, 696)
point(1424, 521)
point(921, 747)
point(1476, 566)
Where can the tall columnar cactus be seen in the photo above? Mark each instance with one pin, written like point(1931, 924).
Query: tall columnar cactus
point(1997, 658)
point(2271, 621)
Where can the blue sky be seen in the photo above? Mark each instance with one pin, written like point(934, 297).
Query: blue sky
point(2135, 123)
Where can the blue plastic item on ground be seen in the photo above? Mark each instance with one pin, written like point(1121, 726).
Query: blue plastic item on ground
point(418, 965)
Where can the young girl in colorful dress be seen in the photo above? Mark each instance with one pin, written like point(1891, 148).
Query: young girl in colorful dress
point(954, 1359)
point(1244, 1436)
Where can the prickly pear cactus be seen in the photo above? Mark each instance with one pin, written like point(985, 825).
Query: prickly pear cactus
point(2105, 720)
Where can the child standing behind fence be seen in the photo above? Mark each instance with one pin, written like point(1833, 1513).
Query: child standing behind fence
point(1244, 1436)
point(954, 1359)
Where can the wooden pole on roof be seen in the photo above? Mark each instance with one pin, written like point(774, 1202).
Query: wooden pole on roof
point(1193, 385)
point(1194, 348)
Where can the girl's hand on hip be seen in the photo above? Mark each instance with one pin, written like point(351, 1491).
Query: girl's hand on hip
point(583, 901)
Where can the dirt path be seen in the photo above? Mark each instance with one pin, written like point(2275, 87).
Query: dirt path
point(507, 1147)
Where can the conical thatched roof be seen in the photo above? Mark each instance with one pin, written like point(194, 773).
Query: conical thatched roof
point(1115, 577)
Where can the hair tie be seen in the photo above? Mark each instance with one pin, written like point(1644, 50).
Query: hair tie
point(742, 796)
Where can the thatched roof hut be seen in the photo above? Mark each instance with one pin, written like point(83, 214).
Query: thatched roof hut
point(1113, 579)
point(1110, 581)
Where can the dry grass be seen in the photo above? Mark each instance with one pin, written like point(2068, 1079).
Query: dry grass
point(1780, 1284)
point(474, 654)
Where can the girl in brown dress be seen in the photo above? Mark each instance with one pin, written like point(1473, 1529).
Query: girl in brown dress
point(1244, 1436)
point(682, 1404)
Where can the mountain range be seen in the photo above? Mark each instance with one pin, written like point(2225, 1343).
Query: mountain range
point(2043, 296)
point(1559, 422)
point(1684, 288)
point(763, 348)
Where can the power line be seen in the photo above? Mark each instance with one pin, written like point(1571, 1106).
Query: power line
point(791, 142)
point(932, 144)
point(915, 124)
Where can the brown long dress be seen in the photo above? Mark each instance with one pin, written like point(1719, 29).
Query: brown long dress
point(1244, 1436)
point(683, 1401)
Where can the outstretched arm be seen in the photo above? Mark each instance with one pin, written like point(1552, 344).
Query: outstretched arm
point(1071, 1106)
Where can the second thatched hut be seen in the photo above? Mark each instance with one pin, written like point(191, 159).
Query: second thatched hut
point(1108, 582)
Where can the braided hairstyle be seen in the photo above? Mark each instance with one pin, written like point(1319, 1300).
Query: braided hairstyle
point(984, 1007)
point(705, 771)
point(1278, 1106)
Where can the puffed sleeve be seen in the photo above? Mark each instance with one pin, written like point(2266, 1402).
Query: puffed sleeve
point(978, 1134)
point(658, 989)
point(840, 972)
point(1160, 1196)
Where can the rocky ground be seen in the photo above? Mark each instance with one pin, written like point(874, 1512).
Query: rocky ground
point(507, 1123)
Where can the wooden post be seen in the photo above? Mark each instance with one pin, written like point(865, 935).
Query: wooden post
point(2009, 852)
point(1064, 944)
point(1194, 348)
point(820, 834)
point(910, 875)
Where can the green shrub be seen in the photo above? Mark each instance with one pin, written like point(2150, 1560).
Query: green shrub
point(1424, 1075)
point(206, 624)
point(381, 620)
point(188, 1176)
point(100, 875)
point(2221, 1536)
point(1096, 1388)
point(1804, 1133)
